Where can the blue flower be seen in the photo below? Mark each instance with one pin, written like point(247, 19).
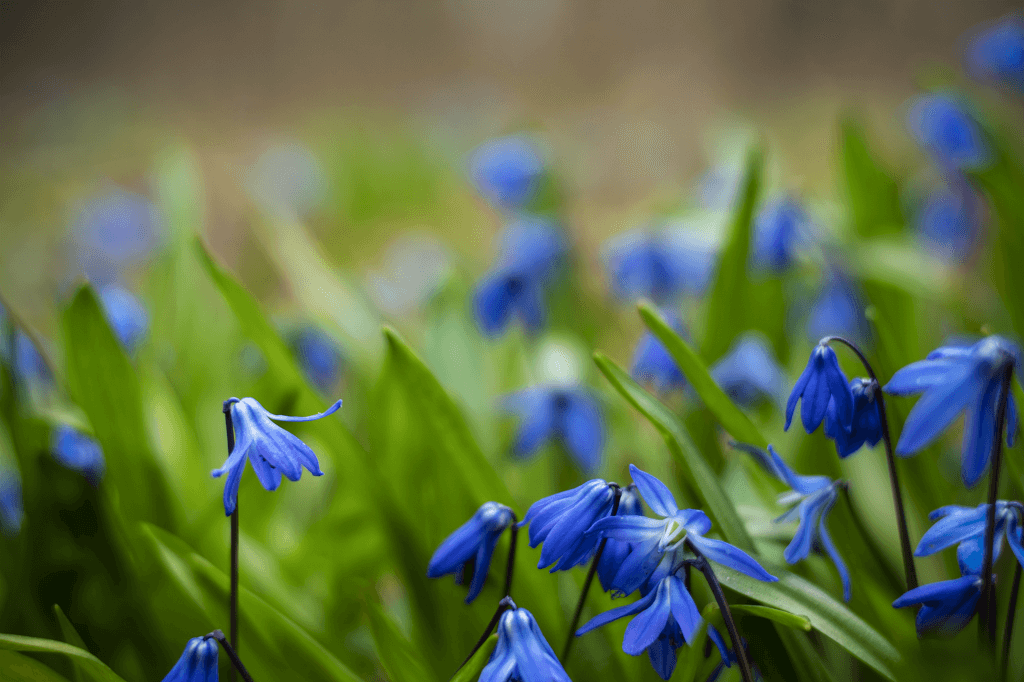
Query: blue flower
point(665, 617)
point(78, 452)
point(567, 413)
point(529, 252)
point(11, 510)
point(749, 373)
point(29, 365)
point(965, 527)
point(522, 654)
point(561, 521)
point(113, 230)
point(319, 357)
point(779, 229)
point(507, 171)
point(997, 53)
point(864, 427)
point(652, 363)
point(822, 381)
point(615, 552)
point(271, 450)
point(950, 221)
point(942, 125)
point(838, 311)
point(955, 379)
point(659, 265)
point(659, 542)
point(126, 315)
point(946, 606)
point(198, 663)
point(471, 547)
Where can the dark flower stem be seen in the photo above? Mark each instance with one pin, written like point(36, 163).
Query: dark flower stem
point(586, 583)
point(510, 567)
point(1010, 614)
point(987, 620)
point(909, 570)
point(236, 662)
point(233, 599)
point(723, 606)
point(504, 605)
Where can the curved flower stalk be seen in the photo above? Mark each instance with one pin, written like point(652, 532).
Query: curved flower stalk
point(522, 654)
point(471, 546)
point(507, 171)
point(78, 452)
point(653, 364)
point(569, 414)
point(749, 372)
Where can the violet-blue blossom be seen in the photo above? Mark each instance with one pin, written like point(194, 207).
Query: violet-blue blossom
point(568, 414)
point(780, 228)
point(749, 372)
point(944, 127)
point(660, 265)
point(837, 311)
point(113, 230)
point(471, 546)
point(946, 606)
point(949, 221)
point(318, 355)
point(521, 653)
point(864, 428)
point(965, 527)
point(126, 314)
point(12, 510)
point(653, 364)
point(78, 452)
point(507, 171)
point(561, 521)
point(198, 663)
point(821, 381)
point(996, 54)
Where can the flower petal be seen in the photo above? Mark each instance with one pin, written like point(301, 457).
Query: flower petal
point(655, 493)
point(616, 613)
point(645, 628)
point(732, 557)
point(684, 609)
point(283, 418)
point(492, 303)
point(583, 431)
point(937, 408)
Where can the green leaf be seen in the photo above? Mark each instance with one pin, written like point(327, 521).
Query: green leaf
point(872, 195)
point(699, 475)
point(95, 667)
point(17, 668)
point(400, 659)
point(786, 618)
point(732, 418)
point(71, 636)
point(474, 666)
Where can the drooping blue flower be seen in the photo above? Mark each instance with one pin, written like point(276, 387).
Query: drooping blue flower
point(749, 373)
point(942, 125)
point(864, 428)
point(12, 512)
point(126, 315)
point(114, 230)
point(822, 381)
point(560, 521)
point(965, 527)
point(652, 363)
point(615, 552)
point(996, 54)
point(271, 450)
point(522, 654)
point(198, 663)
point(570, 414)
point(780, 228)
point(950, 221)
point(319, 357)
point(957, 379)
point(471, 547)
point(660, 265)
point(838, 311)
point(29, 365)
point(529, 252)
point(78, 452)
point(946, 606)
point(507, 171)
point(656, 539)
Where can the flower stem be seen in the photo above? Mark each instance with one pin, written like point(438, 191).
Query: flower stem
point(1008, 629)
point(233, 599)
point(504, 605)
point(510, 567)
point(987, 615)
point(236, 662)
point(586, 583)
point(909, 570)
point(723, 606)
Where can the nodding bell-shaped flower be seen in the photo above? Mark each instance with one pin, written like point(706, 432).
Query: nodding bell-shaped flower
point(615, 552)
point(561, 522)
point(660, 265)
point(471, 547)
point(822, 381)
point(779, 230)
point(965, 527)
point(198, 663)
point(866, 425)
point(318, 355)
point(271, 450)
point(749, 373)
point(522, 654)
point(956, 379)
point(569, 414)
point(78, 452)
point(12, 511)
point(943, 127)
point(507, 171)
point(996, 54)
point(946, 606)
point(126, 315)
point(652, 363)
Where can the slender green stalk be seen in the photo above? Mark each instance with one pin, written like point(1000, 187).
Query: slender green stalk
point(236, 662)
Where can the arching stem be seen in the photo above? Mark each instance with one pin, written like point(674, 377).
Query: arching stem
point(236, 662)
point(510, 566)
point(504, 605)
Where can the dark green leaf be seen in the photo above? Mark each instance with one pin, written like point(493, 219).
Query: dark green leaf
point(97, 669)
point(474, 666)
point(872, 195)
point(17, 668)
point(398, 656)
point(71, 636)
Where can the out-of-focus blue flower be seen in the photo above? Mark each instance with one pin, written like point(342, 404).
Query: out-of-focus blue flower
point(198, 663)
point(965, 527)
point(11, 510)
point(29, 364)
point(615, 552)
point(472, 546)
point(568, 413)
point(749, 373)
point(837, 311)
point(522, 654)
point(561, 520)
point(126, 315)
point(660, 265)
point(507, 171)
point(955, 379)
point(946, 606)
point(271, 450)
point(288, 178)
point(78, 452)
point(950, 221)
point(813, 497)
point(113, 230)
point(996, 54)
point(415, 267)
point(942, 125)
point(779, 230)
point(866, 425)
point(529, 251)
point(656, 539)
point(665, 617)
point(822, 381)
point(652, 363)
point(319, 357)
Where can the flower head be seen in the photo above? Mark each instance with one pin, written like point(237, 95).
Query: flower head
point(507, 171)
point(659, 265)
point(561, 521)
point(522, 654)
point(615, 551)
point(965, 527)
point(946, 606)
point(271, 450)
point(957, 379)
point(12, 512)
point(864, 427)
point(822, 381)
point(996, 54)
point(566, 413)
point(950, 221)
point(319, 357)
point(77, 451)
point(942, 125)
point(652, 363)
point(113, 230)
point(198, 663)
point(749, 373)
point(126, 315)
point(779, 230)
point(471, 546)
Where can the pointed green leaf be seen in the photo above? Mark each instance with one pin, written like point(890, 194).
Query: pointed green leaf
point(97, 669)
point(401, 661)
point(474, 666)
point(872, 195)
point(786, 618)
point(17, 668)
point(71, 636)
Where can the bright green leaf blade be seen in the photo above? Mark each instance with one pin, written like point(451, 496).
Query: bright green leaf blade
point(732, 418)
point(471, 671)
point(97, 669)
point(701, 477)
point(17, 668)
point(786, 618)
point(398, 656)
point(871, 193)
